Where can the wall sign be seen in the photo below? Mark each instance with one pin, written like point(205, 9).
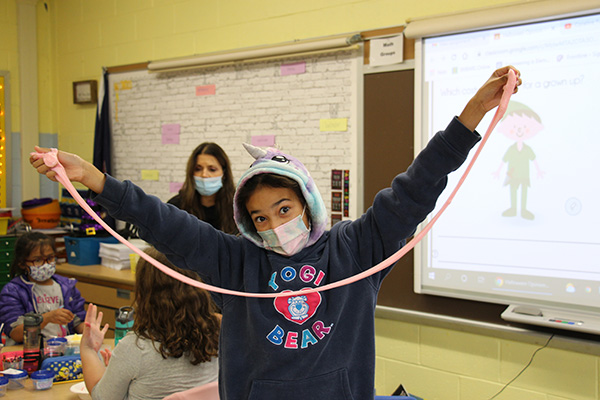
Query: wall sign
point(85, 92)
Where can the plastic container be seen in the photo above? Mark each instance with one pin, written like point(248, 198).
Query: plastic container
point(123, 322)
point(32, 341)
point(72, 349)
point(4, 225)
point(16, 381)
point(3, 385)
point(133, 260)
point(42, 379)
point(55, 347)
point(44, 216)
point(12, 359)
point(73, 342)
point(81, 391)
point(84, 250)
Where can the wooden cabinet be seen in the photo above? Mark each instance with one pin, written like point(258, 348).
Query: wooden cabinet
point(107, 288)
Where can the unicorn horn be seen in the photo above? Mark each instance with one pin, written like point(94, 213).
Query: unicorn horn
point(254, 151)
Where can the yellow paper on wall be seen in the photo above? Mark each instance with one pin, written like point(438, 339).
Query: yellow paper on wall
point(333, 125)
point(149, 174)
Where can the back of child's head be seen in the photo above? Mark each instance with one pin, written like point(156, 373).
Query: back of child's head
point(24, 246)
point(273, 168)
point(180, 317)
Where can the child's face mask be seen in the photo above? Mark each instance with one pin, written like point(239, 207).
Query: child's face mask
point(42, 273)
point(289, 238)
point(208, 186)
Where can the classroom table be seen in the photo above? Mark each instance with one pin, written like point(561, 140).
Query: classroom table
point(98, 274)
point(58, 391)
point(107, 288)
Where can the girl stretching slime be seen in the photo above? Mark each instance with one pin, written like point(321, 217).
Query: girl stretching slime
point(318, 345)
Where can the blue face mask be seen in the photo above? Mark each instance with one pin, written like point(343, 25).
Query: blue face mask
point(208, 186)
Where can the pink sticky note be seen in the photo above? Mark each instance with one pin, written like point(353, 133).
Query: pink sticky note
point(175, 186)
point(206, 90)
point(263, 140)
point(293, 69)
point(170, 133)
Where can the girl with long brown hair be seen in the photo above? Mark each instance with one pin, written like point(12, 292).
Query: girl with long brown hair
point(208, 189)
point(173, 345)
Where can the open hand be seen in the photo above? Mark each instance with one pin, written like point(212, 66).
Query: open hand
point(93, 336)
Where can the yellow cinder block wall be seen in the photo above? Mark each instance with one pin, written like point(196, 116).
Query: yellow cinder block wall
point(447, 364)
point(81, 36)
point(76, 38)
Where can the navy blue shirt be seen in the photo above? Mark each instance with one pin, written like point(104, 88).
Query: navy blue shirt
point(321, 345)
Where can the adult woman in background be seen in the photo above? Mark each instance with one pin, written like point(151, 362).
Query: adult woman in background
point(208, 189)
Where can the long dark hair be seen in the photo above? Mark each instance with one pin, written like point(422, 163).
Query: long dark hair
point(24, 245)
point(260, 180)
point(190, 198)
point(180, 319)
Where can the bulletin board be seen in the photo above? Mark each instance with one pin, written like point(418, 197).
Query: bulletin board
point(306, 106)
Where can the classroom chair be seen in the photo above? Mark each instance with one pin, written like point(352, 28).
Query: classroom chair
point(210, 391)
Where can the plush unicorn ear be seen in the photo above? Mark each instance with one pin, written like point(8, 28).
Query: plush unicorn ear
point(254, 151)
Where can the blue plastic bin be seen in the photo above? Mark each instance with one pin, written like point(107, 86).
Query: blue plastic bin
point(84, 250)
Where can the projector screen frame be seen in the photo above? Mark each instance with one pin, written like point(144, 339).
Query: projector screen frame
point(548, 311)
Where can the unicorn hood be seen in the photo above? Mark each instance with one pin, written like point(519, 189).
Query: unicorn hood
point(273, 161)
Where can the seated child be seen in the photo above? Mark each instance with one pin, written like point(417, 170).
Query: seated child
point(173, 345)
point(35, 288)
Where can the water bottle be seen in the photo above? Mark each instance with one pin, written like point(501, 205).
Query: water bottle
point(32, 343)
point(123, 322)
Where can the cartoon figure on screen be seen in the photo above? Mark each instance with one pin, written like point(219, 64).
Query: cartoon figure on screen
point(520, 123)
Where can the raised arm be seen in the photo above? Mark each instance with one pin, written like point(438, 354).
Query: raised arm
point(78, 170)
point(92, 339)
point(487, 97)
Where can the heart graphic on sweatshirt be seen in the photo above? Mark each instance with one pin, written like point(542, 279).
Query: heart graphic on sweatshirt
point(299, 308)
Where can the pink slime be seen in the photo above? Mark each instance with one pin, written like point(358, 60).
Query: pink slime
point(51, 160)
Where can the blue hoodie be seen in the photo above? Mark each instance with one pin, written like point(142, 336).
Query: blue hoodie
point(321, 345)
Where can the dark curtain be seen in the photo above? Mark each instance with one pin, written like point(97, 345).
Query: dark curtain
point(102, 138)
point(102, 153)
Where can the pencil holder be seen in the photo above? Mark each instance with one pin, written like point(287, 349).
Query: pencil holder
point(12, 359)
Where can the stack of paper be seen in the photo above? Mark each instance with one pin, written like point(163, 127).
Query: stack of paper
point(116, 255)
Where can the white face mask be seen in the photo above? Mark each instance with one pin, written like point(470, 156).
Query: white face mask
point(208, 186)
point(43, 273)
point(287, 239)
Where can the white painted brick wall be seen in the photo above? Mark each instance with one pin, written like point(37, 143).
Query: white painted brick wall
point(251, 99)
